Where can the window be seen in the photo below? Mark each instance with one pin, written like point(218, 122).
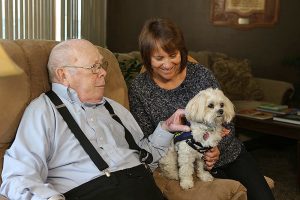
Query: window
point(53, 19)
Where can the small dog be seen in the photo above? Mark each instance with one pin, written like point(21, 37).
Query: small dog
point(206, 112)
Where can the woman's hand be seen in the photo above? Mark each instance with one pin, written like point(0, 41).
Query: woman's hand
point(211, 157)
point(225, 132)
point(175, 122)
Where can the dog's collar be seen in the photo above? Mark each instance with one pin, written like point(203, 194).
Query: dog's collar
point(197, 146)
point(188, 138)
point(180, 136)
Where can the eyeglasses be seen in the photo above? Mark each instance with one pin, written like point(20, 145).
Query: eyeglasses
point(95, 68)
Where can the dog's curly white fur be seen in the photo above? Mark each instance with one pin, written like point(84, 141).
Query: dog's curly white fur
point(206, 113)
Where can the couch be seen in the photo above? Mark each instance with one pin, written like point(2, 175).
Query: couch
point(17, 91)
point(233, 74)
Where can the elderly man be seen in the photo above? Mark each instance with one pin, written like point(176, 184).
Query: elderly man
point(47, 161)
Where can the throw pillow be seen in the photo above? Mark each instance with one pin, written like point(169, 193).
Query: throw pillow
point(236, 79)
point(130, 64)
point(234, 75)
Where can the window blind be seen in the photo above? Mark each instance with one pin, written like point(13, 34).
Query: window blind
point(53, 19)
point(27, 19)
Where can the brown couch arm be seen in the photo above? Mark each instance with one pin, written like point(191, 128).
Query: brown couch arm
point(279, 92)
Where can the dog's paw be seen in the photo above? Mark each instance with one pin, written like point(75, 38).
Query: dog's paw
point(205, 176)
point(169, 170)
point(186, 184)
point(171, 175)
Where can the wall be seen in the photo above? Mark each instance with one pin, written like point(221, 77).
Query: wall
point(264, 47)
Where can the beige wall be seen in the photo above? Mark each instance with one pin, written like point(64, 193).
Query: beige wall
point(264, 47)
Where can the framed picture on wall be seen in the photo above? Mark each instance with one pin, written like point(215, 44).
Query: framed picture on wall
point(244, 14)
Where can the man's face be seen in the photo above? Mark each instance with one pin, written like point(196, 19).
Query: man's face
point(88, 85)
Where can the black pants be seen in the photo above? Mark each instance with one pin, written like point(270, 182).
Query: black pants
point(245, 170)
point(130, 184)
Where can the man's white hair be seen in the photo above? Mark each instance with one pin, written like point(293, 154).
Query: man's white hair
point(67, 53)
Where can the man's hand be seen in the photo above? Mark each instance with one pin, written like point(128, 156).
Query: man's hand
point(175, 122)
point(211, 157)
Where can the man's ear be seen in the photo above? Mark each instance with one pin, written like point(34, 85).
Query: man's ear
point(61, 75)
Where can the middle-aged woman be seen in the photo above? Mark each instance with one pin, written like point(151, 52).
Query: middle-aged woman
point(169, 82)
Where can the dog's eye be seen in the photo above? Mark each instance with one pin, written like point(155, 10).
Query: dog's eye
point(221, 105)
point(210, 105)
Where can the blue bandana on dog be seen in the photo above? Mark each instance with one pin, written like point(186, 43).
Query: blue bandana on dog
point(188, 138)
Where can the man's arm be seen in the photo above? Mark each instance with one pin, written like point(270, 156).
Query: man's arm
point(25, 167)
point(158, 142)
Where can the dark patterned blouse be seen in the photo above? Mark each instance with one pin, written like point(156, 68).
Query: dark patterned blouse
point(151, 104)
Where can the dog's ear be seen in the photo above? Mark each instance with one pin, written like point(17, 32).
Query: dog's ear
point(229, 110)
point(195, 108)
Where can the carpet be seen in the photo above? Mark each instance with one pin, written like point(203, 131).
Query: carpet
point(276, 156)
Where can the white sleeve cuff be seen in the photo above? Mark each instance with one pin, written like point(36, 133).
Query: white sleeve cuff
point(160, 136)
point(57, 197)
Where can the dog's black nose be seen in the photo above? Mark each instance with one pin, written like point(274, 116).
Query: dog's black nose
point(221, 111)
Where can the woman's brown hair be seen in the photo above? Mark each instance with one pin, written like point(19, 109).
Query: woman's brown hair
point(163, 33)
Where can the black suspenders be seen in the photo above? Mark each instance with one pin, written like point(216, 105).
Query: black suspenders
point(145, 156)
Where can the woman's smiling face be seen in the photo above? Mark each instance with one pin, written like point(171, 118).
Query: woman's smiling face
point(166, 66)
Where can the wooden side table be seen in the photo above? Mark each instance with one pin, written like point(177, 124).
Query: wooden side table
point(272, 127)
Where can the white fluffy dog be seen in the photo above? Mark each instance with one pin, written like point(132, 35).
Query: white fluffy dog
point(206, 113)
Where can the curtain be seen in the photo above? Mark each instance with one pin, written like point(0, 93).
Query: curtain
point(93, 22)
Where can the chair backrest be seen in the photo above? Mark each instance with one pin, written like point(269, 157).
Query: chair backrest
point(17, 91)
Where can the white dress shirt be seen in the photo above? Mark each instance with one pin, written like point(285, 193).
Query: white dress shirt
point(47, 160)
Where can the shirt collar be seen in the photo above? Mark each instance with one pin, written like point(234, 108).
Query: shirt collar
point(71, 95)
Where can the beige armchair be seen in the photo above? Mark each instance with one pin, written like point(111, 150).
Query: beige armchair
point(16, 92)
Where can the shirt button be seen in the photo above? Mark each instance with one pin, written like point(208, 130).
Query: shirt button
point(92, 119)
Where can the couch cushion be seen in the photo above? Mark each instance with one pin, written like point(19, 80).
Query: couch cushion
point(219, 189)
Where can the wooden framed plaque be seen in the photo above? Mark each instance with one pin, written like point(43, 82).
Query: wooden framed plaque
point(244, 14)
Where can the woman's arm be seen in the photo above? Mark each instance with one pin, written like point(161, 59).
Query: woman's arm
point(138, 111)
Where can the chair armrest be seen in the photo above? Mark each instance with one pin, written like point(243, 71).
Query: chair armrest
point(279, 92)
point(3, 198)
